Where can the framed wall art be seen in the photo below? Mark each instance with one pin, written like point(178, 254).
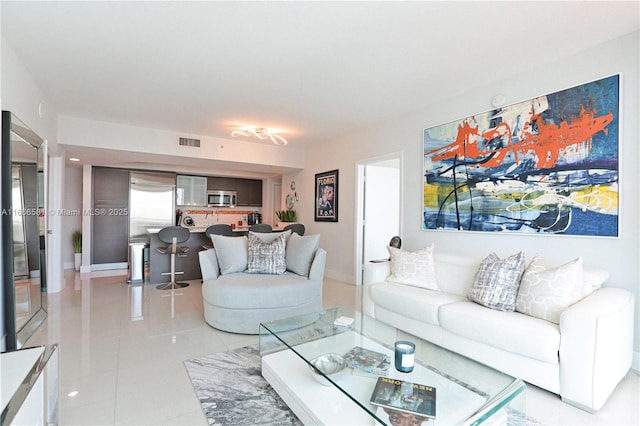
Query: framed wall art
point(326, 205)
point(548, 165)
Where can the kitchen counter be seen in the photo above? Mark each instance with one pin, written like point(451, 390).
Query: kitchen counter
point(161, 263)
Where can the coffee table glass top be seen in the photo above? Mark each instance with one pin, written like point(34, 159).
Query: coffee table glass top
point(467, 392)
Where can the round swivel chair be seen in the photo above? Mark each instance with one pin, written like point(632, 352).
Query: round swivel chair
point(173, 235)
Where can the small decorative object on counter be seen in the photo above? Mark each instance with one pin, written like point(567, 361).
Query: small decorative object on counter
point(404, 356)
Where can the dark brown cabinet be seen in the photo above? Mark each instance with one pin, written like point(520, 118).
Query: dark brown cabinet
point(249, 190)
point(110, 216)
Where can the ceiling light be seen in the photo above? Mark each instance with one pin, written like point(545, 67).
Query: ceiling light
point(260, 133)
point(74, 159)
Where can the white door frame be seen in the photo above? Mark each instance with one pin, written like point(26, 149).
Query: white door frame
point(359, 210)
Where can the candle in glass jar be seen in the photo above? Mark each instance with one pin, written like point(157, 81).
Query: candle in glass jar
point(404, 356)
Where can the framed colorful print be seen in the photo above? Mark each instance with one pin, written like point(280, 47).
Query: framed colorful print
point(326, 205)
point(548, 165)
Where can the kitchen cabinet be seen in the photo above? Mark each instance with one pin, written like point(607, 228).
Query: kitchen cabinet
point(191, 191)
point(249, 190)
point(110, 214)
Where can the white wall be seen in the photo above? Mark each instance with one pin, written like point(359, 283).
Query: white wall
point(618, 255)
point(72, 204)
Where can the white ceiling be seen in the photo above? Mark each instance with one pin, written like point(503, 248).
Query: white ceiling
point(314, 70)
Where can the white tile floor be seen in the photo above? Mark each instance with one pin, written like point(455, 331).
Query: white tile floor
point(121, 352)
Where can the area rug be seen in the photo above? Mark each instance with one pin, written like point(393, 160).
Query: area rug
point(232, 391)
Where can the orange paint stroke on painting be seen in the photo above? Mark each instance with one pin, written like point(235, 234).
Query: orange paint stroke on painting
point(544, 147)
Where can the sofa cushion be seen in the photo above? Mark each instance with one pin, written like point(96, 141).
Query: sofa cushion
point(414, 269)
point(266, 258)
point(231, 252)
point(259, 291)
point(416, 303)
point(454, 272)
point(496, 283)
point(300, 252)
point(510, 331)
point(546, 291)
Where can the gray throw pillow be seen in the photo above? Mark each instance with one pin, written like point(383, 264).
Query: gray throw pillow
point(496, 282)
point(231, 252)
point(266, 258)
point(300, 253)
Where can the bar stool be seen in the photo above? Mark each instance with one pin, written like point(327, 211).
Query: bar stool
point(298, 228)
point(260, 227)
point(217, 229)
point(173, 235)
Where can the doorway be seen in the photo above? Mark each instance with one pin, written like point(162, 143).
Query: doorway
point(379, 208)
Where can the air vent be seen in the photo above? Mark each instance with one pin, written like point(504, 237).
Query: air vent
point(190, 142)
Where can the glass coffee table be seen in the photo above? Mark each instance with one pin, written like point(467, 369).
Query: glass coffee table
point(467, 392)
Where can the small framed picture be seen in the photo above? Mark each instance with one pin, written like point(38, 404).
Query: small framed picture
point(326, 205)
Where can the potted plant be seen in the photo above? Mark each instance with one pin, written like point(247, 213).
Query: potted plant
point(76, 238)
point(287, 215)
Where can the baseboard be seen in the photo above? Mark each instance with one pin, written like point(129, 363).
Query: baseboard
point(339, 276)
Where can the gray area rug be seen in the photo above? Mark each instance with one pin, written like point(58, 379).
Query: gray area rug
point(232, 391)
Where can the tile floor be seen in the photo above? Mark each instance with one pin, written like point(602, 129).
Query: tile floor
point(121, 354)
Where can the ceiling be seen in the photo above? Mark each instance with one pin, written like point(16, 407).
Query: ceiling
point(314, 70)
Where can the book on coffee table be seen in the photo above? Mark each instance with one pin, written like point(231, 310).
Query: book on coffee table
point(406, 397)
point(366, 360)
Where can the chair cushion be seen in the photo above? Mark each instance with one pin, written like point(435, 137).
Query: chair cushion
point(259, 291)
point(232, 253)
point(300, 252)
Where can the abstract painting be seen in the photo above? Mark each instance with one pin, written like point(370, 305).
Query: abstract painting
point(548, 165)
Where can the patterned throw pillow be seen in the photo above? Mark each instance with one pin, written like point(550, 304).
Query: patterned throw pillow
point(266, 258)
point(545, 291)
point(416, 269)
point(496, 282)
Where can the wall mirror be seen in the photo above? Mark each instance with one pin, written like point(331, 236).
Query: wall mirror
point(23, 292)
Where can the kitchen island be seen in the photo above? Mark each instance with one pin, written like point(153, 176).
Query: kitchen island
point(190, 266)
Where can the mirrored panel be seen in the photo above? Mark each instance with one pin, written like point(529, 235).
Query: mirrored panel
point(22, 231)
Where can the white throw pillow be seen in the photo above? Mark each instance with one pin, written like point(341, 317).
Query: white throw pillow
point(300, 253)
point(496, 282)
point(545, 290)
point(231, 252)
point(266, 258)
point(269, 237)
point(413, 268)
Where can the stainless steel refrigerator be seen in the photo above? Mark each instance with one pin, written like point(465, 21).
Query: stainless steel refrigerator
point(151, 203)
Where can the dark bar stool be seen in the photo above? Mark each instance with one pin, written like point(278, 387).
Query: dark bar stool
point(218, 229)
point(298, 228)
point(261, 227)
point(173, 235)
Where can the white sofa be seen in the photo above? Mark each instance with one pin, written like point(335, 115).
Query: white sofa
point(582, 358)
point(239, 301)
